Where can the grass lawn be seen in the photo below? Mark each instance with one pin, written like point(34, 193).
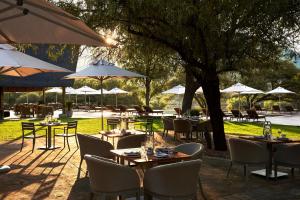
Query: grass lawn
point(12, 129)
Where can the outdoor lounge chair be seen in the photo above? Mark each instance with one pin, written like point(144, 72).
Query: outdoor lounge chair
point(109, 179)
point(205, 112)
point(289, 109)
point(112, 123)
point(246, 153)
point(276, 108)
point(252, 114)
point(94, 146)
point(179, 180)
point(238, 115)
point(226, 115)
point(148, 109)
point(287, 155)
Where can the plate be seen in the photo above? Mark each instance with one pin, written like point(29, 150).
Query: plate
point(161, 155)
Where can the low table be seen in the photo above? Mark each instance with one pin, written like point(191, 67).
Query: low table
point(268, 172)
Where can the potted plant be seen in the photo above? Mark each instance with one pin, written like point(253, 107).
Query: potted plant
point(69, 111)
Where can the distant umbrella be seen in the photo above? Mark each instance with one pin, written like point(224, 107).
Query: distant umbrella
point(238, 88)
point(85, 90)
point(117, 91)
point(54, 90)
point(280, 91)
point(178, 90)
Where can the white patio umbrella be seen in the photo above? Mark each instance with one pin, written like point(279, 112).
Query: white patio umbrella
point(16, 63)
point(54, 90)
point(39, 21)
point(253, 91)
point(102, 70)
point(279, 91)
point(178, 90)
point(85, 90)
point(238, 88)
point(69, 91)
point(117, 91)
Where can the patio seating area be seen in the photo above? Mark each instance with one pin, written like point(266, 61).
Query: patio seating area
point(53, 175)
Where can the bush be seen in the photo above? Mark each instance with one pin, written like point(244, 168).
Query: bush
point(195, 112)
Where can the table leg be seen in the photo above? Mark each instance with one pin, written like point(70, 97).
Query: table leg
point(49, 137)
point(49, 141)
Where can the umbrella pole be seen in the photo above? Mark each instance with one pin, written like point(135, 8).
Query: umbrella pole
point(116, 100)
point(101, 101)
point(239, 106)
point(76, 99)
point(85, 98)
point(56, 98)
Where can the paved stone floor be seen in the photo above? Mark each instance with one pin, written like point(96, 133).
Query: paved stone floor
point(52, 175)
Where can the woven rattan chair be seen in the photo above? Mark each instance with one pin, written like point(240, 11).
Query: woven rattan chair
point(94, 146)
point(173, 181)
point(109, 179)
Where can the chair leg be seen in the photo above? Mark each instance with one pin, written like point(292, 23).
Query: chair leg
point(167, 132)
point(292, 171)
point(67, 138)
point(91, 195)
point(33, 144)
point(76, 141)
point(22, 143)
point(230, 166)
point(138, 195)
point(201, 188)
point(79, 168)
point(275, 171)
point(64, 142)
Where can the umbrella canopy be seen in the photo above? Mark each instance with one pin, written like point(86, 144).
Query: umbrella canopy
point(179, 89)
point(117, 91)
point(15, 63)
point(253, 91)
point(102, 70)
point(238, 88)
point(85, 89)
point(280, 90)
point(70, 90)
point(54, 90)
point(199, 90)
point(98, 92)
point(39, 21)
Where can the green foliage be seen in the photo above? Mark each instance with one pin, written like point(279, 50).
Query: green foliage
point(33, 97)
point(195, 112)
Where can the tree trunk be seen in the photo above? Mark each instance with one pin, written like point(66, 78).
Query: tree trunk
point(210, 86)
point(148, 90)
point(191, 85)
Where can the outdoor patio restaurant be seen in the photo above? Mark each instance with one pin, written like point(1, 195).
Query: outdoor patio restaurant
point(149, 100)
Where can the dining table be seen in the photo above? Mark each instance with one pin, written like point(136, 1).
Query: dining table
point(270, 142)
point(49, 126)
point(113, 134)
point(144, 160)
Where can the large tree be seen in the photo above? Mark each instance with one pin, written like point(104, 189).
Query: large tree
point(210, 36)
